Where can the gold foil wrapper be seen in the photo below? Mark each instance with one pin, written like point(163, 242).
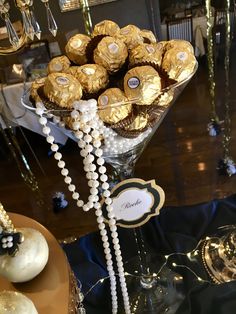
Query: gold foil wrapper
point(142, 85)
point(148, 36)
point(131, 36)
point(145, 53)
point(178, 63)
point(62, 89)
point(76, 48)
point(139, 123)
point(111, 53)
point(58, 64)
point(93, 77)
point(112, 106)
point(106, 27)
point(34, 88)
point(165, 99)
point(180, 44)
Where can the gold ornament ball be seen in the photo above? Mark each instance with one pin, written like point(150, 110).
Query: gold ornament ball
point(16, 303)
point(29, 261)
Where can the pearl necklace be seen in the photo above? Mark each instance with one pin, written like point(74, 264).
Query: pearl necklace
point(87, 130)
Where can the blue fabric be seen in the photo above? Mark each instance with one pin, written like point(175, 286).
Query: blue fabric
point(176, 229)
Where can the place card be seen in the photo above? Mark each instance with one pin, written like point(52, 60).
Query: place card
point(135, 201)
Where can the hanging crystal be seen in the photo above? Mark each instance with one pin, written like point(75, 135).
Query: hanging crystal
point(35, 25)
point(52, 25)
point(12, 34)
point(28, 27)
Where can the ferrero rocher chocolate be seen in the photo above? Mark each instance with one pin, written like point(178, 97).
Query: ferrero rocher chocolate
point(105, 27)
point(112, 106)
point(165, 99)
point(58, 64)
point(72, 70)
point(148, 36)
point(142, 85)
point(34, 88)
point(92, 77)
point(62, 89)
point(178, 63)
point(139, 123)
point(76, 47)
point(180, 44)
point(111, 53)
point(145, 53)
point(131, 36)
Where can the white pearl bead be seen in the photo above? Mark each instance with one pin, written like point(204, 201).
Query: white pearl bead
point(76, 125)
point(58, 156)
point(90, 158)
point(95, 134)
point(9, 244)
point(86, 208)
point(86, 129)
point(65, 172)
point(98, 152)
point(86, 168)
point(74, 114)
point(103, 233)
point(43, 120)
point(105, 238)
point(105, 244)
point(46, 130)
point(101, 226)
point(105, 186)
point(108, 201)
point(100, 219)
point(97, 205)
point(95, 176)
point(71, 187)
point(100, 161)
point(50, 139)
point(81, 144)
point(92, 167)
point(80, 203)
point(88, 138)
point(83, 153)
point(106, 193)
point(104, 177)
point(97, 143)
point(61, 164)
point(79, 134)
point(54, 147)
point(68, 180)
point(111, 214)
point(75, 196)
point(102, 169)
point(89, 175)
point(94, 191)
point(112, 222)
point(89, 148)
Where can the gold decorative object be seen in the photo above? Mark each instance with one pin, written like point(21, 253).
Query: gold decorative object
point(210, 59)
point(219, 256)
point(30, 25)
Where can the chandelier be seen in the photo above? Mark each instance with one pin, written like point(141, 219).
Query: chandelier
point(31, 27)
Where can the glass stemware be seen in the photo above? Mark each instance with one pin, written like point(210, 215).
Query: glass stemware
point(148, 293)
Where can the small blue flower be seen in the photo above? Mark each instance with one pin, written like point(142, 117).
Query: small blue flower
point(214, 128)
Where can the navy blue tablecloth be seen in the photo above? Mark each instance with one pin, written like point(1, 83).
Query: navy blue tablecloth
point(176, 229)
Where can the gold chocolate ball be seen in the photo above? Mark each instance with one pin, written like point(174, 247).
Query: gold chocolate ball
point(113, 106)
point(139, 123)
point(145, 53)
point(148, 36)
point(111, 53)
point(142, 85)
point(62, 89)
point(131, 36)
point(58, 64)
point(92, 77)
point(178, 63)
point(12, 302)
point(180, 44)
point(105, 27)
point(76, 48)
point(34, 88)
point(29, 261)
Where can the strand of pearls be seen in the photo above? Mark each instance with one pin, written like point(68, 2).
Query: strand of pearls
point(87, 130)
